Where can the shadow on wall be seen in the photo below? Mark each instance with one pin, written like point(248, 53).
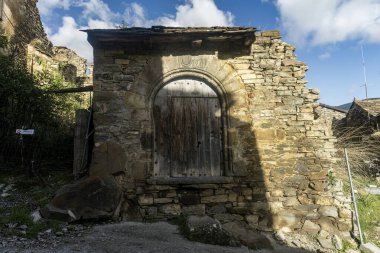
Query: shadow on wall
point(166, 117)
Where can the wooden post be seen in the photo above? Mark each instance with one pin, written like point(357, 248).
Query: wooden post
point(82, 117)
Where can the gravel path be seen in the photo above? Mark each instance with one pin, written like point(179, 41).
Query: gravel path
point(135, 237)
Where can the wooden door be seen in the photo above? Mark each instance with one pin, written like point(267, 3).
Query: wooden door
point(188, 130)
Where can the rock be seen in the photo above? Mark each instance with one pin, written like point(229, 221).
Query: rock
point(226, 217)
point(53, 213)
point(252, 239)
point(327, 225)
point(195, 222)
point(369, 248)
point(194, 209)
point(36, 216)
point(130, 211)
point(146, 199)
point(279, 236)
point(337, 241)
point(345, 213)
point(326, 243)
point(328, 211)
point(23, 227)
point(171, 209)
point(207, 230)
point(373, 190)
point(286, 219)
point(352, 251)
point(253, 220)
point(188, 198)
point(324, 233)
point(90, 198)
point(291, 201)
point(217, 209)
point(8, 188)
point(310, 227)
point(11, 225)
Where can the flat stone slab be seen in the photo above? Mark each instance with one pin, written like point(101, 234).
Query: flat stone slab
point(374, 191)
point(369, 248)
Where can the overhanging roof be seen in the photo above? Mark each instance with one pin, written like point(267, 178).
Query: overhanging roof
point(370, 105)
point(108, 38)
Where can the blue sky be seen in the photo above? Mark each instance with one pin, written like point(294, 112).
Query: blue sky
point(328, 34)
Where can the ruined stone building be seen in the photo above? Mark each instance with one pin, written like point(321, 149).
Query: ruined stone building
point(21, 24)
point(214, 121)
point(365, 114)
point(334, 117)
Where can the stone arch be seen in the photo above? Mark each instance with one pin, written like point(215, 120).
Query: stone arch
point(199, 130)
point(218, 74)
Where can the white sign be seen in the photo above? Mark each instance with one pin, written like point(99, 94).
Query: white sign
point(25, 131)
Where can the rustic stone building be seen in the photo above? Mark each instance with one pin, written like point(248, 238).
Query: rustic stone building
point(21, 24)
point(213, 121)
point(364, 114)
point(335, 118)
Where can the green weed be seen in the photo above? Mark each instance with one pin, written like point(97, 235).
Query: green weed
point(369, 209)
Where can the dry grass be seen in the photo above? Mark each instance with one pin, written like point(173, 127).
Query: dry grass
point(363, 150)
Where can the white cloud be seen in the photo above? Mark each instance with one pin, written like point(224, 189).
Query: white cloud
point(198, 13)
point(96, 14)
point(192, 13)
point(69, 35)
point(135, 16)
point(330, 21)
point(46, 7)
point(98, 9)
point(99, 24)
point(324, 56)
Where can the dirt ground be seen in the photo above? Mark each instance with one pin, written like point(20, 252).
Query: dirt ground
point(135, 237)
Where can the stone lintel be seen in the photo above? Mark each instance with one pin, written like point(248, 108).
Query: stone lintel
point(190, 180)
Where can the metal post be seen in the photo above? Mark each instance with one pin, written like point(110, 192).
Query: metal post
point(365, 74)
point(353, 197)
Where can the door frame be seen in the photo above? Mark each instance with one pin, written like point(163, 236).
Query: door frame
point(217, 87)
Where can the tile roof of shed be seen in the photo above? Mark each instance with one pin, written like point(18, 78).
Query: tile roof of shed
point(162, 34)
point(371, 105)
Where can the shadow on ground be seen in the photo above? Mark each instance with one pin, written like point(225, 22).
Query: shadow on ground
point(142, 238)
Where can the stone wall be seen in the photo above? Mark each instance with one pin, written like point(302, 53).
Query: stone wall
point(279, 152)
point(72, 66)
point(30, 47)
point(334, 119)
point(364, 114)
point(22, 25)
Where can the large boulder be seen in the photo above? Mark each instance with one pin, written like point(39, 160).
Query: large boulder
point(207, 230)
point(246, 236)
point(90, 198)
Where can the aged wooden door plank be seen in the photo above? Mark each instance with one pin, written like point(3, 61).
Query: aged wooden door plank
point(176, 140)
point(162, 129)
point(188, 130)
point(215, 137)
point(193, 161)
